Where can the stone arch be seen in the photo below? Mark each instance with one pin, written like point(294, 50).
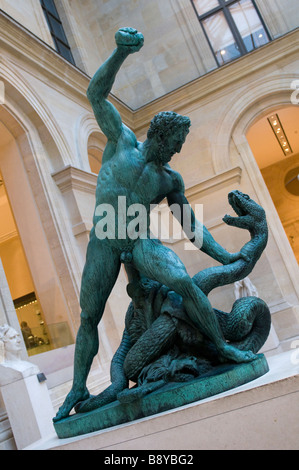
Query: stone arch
point(267, 97)
point(39, 148)
point(95, 148)
point(232, 148)
point(39, 119)
point(258, 97)
point(90, 143)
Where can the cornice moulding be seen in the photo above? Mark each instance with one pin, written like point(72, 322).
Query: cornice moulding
point(73, 178)
point(8, 236)
point(210, 185)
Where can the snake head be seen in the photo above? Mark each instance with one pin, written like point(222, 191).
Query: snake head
point(249, 212)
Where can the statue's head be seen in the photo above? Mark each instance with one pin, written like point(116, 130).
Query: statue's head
point(169, 130)
point(10, 344)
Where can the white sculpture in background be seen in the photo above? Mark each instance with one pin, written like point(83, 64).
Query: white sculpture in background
point(245, 288)
point(10, 351)
point(26, 400)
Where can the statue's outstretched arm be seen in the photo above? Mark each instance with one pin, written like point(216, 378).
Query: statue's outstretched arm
point(128, 41)
point(197, 233)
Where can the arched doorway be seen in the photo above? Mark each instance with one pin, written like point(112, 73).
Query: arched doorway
point(259, 101)
point(282, 284)
point(31, 319)
point(27, 239)
point(274, 141)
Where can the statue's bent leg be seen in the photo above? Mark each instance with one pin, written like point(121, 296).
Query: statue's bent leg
point(99, 276)
point(161, 264)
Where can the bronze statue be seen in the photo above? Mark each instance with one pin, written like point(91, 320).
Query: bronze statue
point(139, 173)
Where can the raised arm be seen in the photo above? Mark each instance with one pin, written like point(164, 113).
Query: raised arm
point(197, 233)
point(128, 41)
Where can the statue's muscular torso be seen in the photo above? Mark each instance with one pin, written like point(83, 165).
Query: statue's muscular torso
point(126, 173)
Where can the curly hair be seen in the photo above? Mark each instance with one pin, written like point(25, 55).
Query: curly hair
point(163, 125)
point(166, 122)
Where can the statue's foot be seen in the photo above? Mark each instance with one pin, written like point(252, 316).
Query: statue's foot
point(71, 400)
point(231, 353)
point(131, 394)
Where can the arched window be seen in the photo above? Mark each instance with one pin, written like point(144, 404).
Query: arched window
point(95, 159)
point(96, 144)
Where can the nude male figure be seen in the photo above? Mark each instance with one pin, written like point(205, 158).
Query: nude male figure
point(140, 172)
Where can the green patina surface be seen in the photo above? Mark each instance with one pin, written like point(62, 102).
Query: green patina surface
point(171, 396)
point(176, 347)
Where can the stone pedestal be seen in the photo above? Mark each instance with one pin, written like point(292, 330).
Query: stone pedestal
point(27, 403)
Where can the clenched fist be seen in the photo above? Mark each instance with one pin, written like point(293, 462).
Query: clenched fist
point(130, 39)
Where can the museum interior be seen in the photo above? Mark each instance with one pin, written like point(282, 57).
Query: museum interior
point(231, 66)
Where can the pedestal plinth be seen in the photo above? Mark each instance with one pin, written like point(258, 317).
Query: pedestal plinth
point(27, 402)
point(172, 395)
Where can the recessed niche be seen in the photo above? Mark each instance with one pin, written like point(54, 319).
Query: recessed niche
point(291, 181)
